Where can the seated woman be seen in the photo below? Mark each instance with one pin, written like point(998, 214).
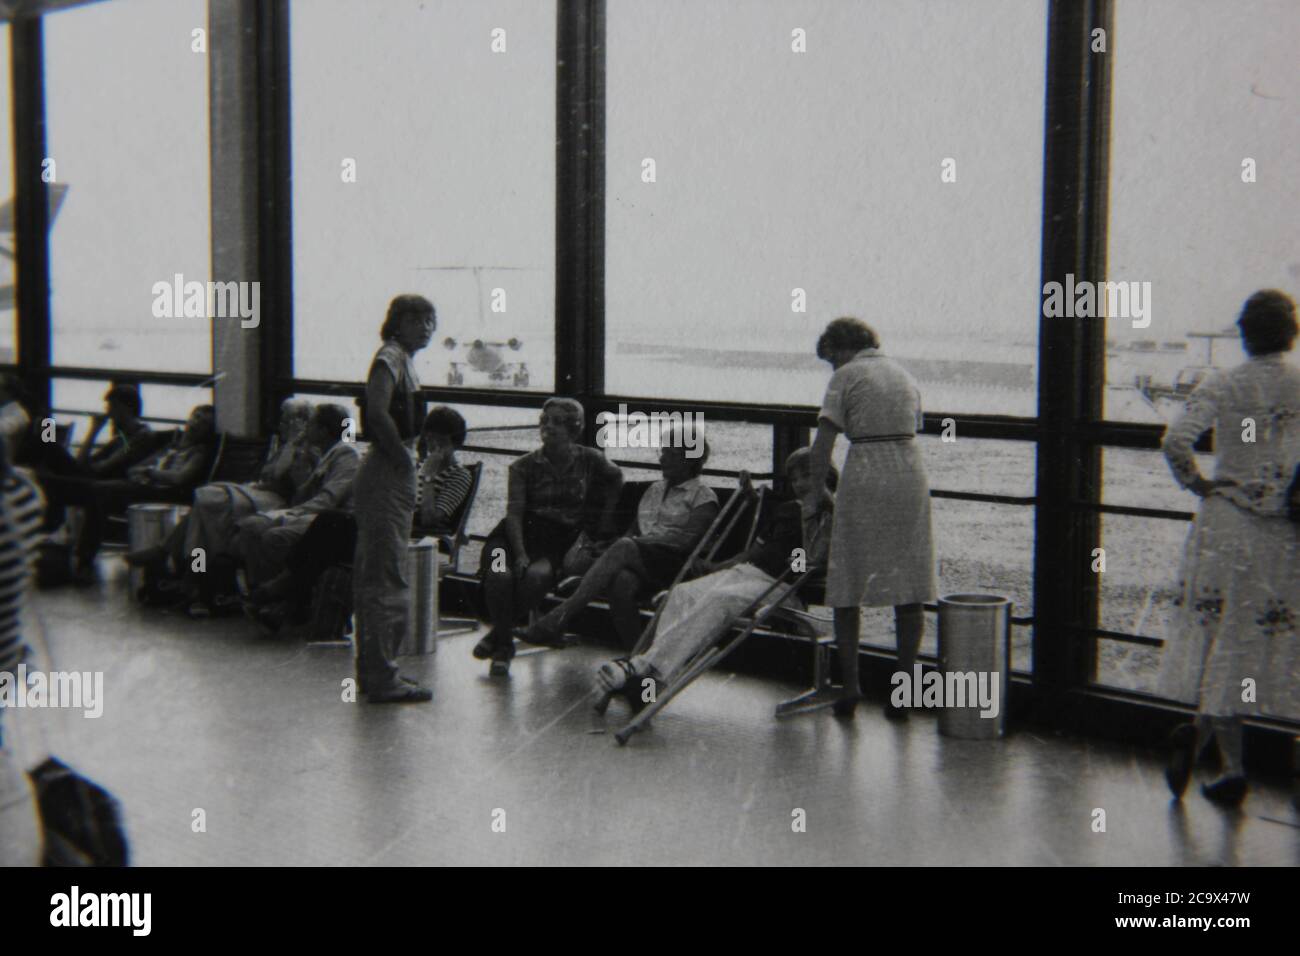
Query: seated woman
point(550, 492)
point(169, 476)
point(697, 610)
point(444, 484)
point(210, 525)
point(672, 516)
point(263, 540)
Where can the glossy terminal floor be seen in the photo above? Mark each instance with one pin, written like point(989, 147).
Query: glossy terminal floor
point(206, 715)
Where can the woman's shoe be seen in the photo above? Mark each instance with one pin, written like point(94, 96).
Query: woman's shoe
point(1226, 791)
point(402, 692)
point(273, 590)
point(154, 554)
point(541, 635)
point(225, 605)
point(846, 706)
point(612, 676)
point(198, 611)
point(485, 646)
point(269, 619)
point(621, 676)
point(1182, 747)
point(364, 688)
point(502, 655)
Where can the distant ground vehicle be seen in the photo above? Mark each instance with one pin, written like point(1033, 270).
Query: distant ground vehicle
point(1156, 393)
point(486, 359)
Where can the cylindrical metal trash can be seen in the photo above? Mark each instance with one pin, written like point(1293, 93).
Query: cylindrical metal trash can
point(974, 663)
point(422, 568)
point(147, 524)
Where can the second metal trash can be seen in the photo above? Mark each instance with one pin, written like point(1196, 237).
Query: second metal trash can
point(146, 525)
point(422, 567)
point(974, 657)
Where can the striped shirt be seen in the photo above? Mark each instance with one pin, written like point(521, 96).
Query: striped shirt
point(438, 497)
point(20, 536)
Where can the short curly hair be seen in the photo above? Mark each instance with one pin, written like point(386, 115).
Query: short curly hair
point(572, 409)
point(846, 333)
point(1268, 322)
point(403, 305)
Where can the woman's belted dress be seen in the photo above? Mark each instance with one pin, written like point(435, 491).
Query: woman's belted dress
point(882, 551)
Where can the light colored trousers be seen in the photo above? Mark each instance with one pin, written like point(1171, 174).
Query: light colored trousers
point(20, 825)
point(216, 510)
point(384, 496)
point(697, 611)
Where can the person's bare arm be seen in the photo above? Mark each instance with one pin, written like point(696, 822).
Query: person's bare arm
point(87, 448)
point(819, 465)
point(380, 427)
point(1197, 417)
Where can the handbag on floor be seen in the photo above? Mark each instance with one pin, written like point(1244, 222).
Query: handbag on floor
point(82, 822)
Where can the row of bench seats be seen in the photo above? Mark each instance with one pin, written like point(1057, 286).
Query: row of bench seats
point(239, 460)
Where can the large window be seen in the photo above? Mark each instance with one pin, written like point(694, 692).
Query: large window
point(823, 171)
point(128, 144)
point(1203, 198)
point(424, 161)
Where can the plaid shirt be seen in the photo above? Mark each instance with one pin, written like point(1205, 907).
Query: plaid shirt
point(563, 495)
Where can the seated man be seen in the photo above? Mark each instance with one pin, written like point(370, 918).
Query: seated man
point(263, 540)
point(674, 513)
point(332, 537)
point(170, 475)
point(210, 525)
point(696, 612)
point(132, 441)
point(61, 476)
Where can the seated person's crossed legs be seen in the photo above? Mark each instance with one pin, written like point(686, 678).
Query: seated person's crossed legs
point(673, 515)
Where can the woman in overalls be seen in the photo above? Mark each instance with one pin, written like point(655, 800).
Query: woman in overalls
point(384, 495)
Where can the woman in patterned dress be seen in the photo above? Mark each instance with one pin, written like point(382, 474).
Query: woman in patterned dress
point(1234, 649)
point(882, 551)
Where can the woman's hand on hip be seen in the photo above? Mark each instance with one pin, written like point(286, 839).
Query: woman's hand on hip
point(1204, 487)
